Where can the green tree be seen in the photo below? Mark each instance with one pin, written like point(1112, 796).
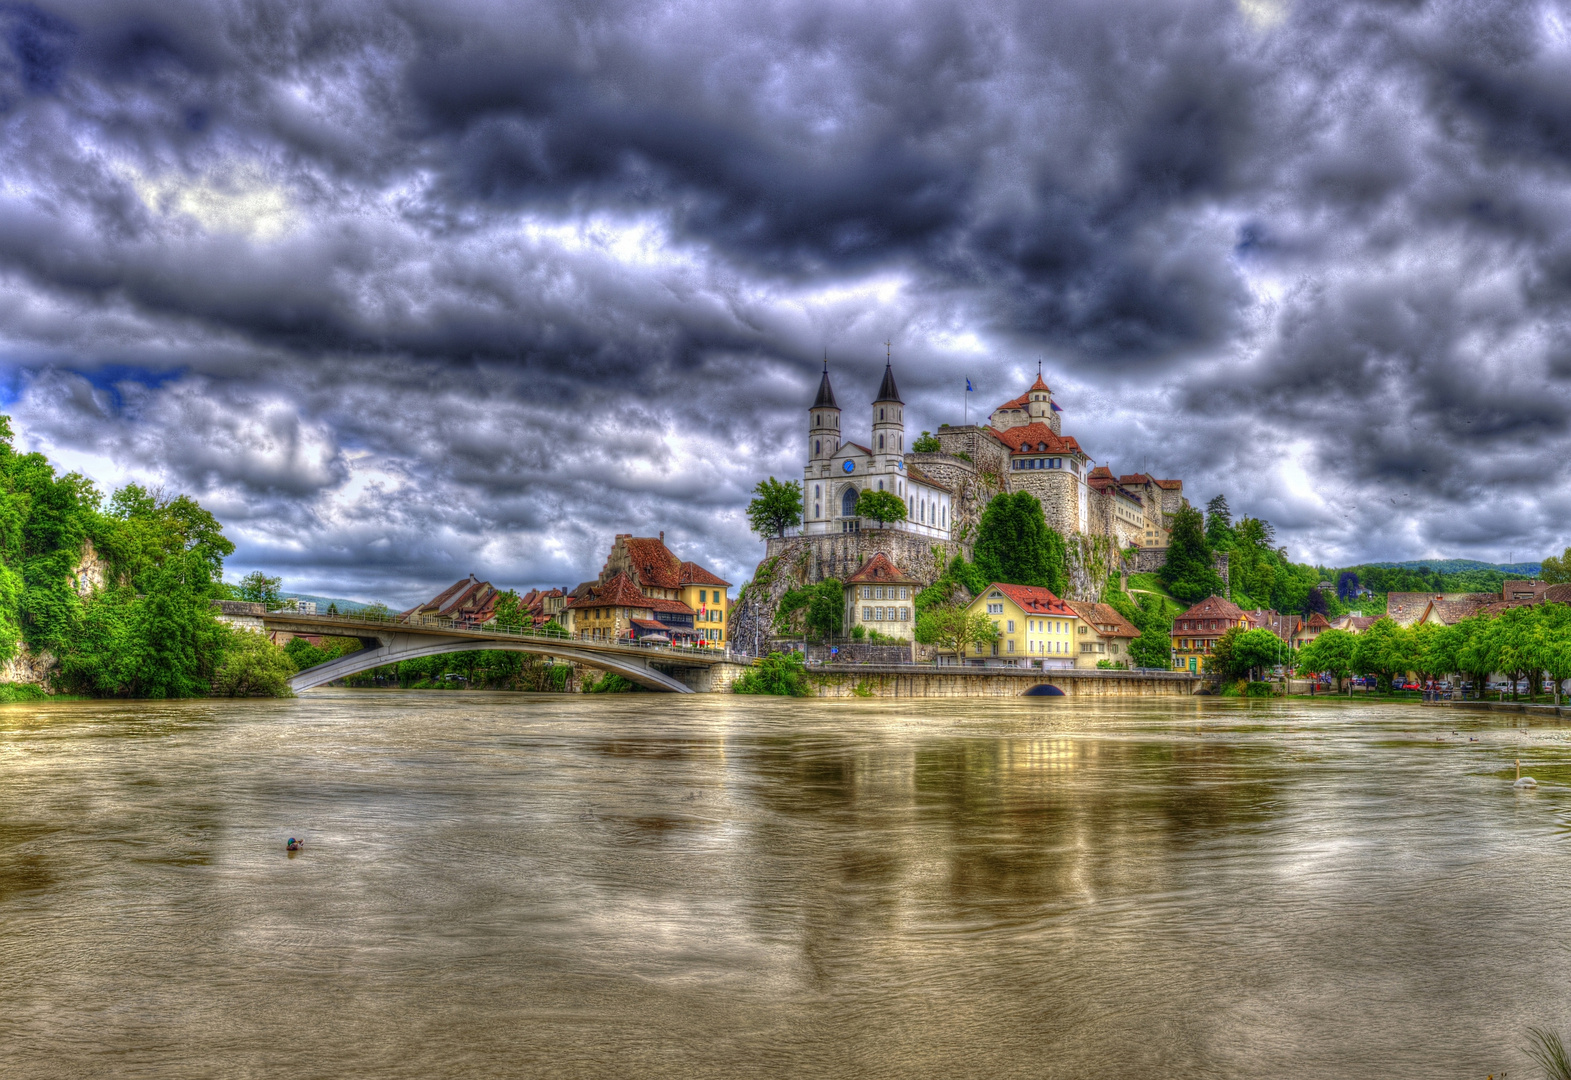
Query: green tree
point(882, 506)
point(1384, 649)
point(252, 666)
point(1014, 545)
point(818, 610)
point(776, 507)
point(1554, 644)
point(258, 588)
point(1556, 570)
point(1189, 573)
point(927, 443)
point(1241, 653)
point(954, 629)
point(509, 612)
point(1331, 653)
point(1219, 524)
point(1153, 617)
point(781, 674)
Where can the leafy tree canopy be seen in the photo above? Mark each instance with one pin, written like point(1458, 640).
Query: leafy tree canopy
point(1189, 573)
point(926, 443)
point(1015, 545)
point(776, 507)
point(882, 506)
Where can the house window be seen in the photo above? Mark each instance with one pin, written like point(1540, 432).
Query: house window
point(905, 614)
point(1011, 645)
point(995, 609)
point(867, 614)
point(1011, 626)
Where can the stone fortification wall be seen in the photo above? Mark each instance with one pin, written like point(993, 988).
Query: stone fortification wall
point(1058, 490)
point(977, 443)
point(793, 561)
point(971, 488)
point(998, 682)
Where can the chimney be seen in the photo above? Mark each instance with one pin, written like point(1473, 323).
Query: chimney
point(662, 536)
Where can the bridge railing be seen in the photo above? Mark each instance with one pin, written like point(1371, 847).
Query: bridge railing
point(490, 629)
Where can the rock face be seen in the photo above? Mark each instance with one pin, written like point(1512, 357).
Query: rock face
point(794, 561)
point(28, 667)
point(90, 573)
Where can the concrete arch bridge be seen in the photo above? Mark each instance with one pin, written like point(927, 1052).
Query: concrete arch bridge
point(389, 640)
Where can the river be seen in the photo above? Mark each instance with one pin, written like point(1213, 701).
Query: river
point(642, 885)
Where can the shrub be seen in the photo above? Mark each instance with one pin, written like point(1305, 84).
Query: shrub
point(252, 666)
point(781, 674)
point(1260, 689)
point(609, 683)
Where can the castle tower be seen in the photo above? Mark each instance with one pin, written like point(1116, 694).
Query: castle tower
point(1039, 404)
point(888, 423)
point(823, 422)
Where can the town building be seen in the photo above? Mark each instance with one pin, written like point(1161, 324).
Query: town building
point(1196, 631)
point(1102, 634)
point(1310, 629)
point(837, 472)
point(879, 598)
point(1035, 628)
point(470, 602)
point(645, 591)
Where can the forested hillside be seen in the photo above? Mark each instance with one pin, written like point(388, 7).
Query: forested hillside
point(119, 595)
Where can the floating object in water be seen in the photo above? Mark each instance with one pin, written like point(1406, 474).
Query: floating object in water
point(1523, 782)
point(294, 845)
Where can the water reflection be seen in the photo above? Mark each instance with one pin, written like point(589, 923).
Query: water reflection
point(583, 887)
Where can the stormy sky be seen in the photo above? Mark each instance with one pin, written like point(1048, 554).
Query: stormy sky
point(404, 290)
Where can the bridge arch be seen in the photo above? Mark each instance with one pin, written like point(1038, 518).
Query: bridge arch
point(633, 668)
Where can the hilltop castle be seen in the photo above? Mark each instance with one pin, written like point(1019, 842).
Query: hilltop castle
point(1021, 448)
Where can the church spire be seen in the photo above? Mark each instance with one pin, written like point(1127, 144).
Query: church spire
point(888, 391)
point(826, 393)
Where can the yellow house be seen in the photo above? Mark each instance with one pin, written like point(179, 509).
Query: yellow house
point(1035, 628)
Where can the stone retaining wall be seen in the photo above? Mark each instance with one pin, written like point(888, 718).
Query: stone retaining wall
point(915, 682)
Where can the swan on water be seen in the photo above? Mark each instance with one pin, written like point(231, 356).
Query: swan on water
point(1523, 781)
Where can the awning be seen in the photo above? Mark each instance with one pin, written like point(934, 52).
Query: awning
point(649, 624)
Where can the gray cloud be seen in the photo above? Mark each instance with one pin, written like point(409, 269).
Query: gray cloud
point(408, 292)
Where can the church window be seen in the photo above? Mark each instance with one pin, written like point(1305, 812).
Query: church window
point(880, 442)
point(848, 503)
point(818, 447)
point(880, 414)
point(815, 511)
point(880, 485)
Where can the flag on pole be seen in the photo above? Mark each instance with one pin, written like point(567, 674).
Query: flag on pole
point(969, 387)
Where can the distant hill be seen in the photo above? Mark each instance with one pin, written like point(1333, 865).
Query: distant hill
point(346, 607)
point(1457, 566)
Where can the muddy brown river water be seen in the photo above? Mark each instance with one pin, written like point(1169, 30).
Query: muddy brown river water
point(497, 885)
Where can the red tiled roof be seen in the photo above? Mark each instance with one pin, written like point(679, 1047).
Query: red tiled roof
point(1100, 615)
point(653, 562)
point(469, 600)
point(693, 574)
point(1134, 478)
point(880, 569)
point(619, 591)
point(1025, 439)
point(1558, 594)
point(1032, 599)
point(676, 606)
point(1214, 607)
point(1170, 485)
point(1317, 621)
point(1018, 403)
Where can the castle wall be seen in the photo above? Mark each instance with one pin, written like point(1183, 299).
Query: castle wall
point(986, 453)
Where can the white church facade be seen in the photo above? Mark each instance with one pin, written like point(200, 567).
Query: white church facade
point(838, 472)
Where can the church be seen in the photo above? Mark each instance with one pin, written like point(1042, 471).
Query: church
point(838, 472)
point(1022, 447)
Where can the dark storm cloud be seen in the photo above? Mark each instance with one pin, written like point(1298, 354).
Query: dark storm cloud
point(416, 290)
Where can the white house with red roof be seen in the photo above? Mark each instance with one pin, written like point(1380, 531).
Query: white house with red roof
point(837, 471)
